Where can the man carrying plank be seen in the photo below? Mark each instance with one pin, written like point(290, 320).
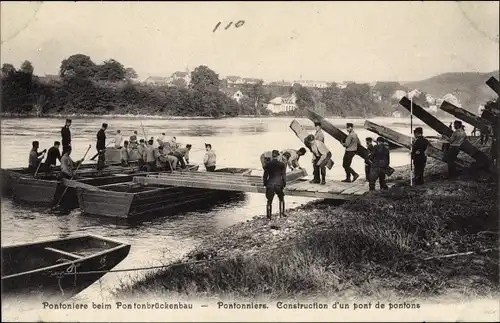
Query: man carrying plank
point(275, 181)
point(369, 147)
point(323, 156)
point(351, 147)
point(418, 154)
point(456, 140)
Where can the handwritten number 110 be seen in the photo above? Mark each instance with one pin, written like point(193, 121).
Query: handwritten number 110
point(237, 25)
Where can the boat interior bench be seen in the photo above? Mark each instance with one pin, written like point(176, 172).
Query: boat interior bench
point(64, 253)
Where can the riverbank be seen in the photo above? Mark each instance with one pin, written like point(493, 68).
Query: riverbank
point(388, 244)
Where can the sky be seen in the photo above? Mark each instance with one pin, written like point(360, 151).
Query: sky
point(328, 41)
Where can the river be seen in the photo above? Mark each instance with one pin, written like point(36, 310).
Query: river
point(237, 142)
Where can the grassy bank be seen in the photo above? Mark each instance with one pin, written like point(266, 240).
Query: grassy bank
point(378, 245)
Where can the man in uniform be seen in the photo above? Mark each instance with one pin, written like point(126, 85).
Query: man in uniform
point(150, 156)
point(141, 149)
point(291, 157)
point(351, 147)
point(52, 156)
point(35, 157)
point(118, 139)
point(209, 160)
point(319, 133)
point(418, 155)
point(133, 140)
point(66, 136)
point(124, 156)
point(380, 161)
point(321, 157)
point(275, 181)
point(101, 146)
point(369, 147)
point(456, 140)
point(183, 154)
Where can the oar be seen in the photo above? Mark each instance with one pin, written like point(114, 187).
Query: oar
point(93, 158)
point(39, 164)
point(74, 173)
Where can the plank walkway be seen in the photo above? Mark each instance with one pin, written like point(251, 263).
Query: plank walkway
point(296, 186)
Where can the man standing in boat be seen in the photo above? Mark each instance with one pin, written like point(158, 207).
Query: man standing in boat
point(351, 147)
point(35, 157)
point(150, 156)
point(133, 140)
point(209, 159)
point(275, 182)
point(67, 165)
point(118, 139)
point(124, 154)
point(418, 155)
point(291, 157)
point(52, 156)
point(161, 139)
point(456, 140)
point(380, 162)
point(183, 154)
point(66, 136)
point(101, 146)
point(141, 149)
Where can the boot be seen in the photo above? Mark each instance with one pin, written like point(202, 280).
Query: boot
point(355, 177)
point(269, 211)
point(282, 209)
point(314, 181)
point(323, 180)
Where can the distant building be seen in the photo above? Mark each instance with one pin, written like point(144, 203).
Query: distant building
point(235, 94)
point(248, 80)
point(399, 94)
point(282, 104)
point(233, 81)
point(157, 80)
point(238, 96)
point(452, 99)
point(186, 76)
point(414, 93)
point(315, 84)
point(430, 99)
point(281, 83)
point(431, 109)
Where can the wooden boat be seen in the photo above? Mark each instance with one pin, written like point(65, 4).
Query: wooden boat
point(36, 269)
point(131, 200)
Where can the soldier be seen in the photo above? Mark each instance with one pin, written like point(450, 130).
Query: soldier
point(456, 140)
point(351, 147)
point(418, 155)
point(380, 161)
point(275, 181)
point(369, 147)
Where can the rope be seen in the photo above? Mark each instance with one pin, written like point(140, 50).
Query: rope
point(216, 259)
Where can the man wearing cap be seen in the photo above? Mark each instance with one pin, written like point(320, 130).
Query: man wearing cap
point(322, 155)
point(380, 161)
point(291, 157)
point(66, 136)
point(101, 146)
point(351, 147)
point(369, 147)
point(150, 156)
point(209, 159)
point(418, 155)
point(319, 133)
point(456, 140)
point(275, 181)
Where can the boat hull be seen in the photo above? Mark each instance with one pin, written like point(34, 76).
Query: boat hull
point(37, 270)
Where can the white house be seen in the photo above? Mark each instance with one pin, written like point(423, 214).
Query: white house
point(248, 80)
point(431, 109)
point(430, 99)
point(316, 84)
point(399, 94)
point(282, 104)
point(157, 80)
point(186, 76)
point(234, 80)
point(452, 99)
point(414, 93)
point(237, 96)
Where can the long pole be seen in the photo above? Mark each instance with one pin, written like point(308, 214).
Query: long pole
point(74, 173)
point(40, 163)
point(411, 136)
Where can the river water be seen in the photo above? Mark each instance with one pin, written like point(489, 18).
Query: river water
point(237, 142)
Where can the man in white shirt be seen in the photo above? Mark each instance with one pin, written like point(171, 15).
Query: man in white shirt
point(209, 159)
point(118, 139)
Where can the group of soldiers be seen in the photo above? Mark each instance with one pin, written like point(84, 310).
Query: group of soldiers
point(167, 155)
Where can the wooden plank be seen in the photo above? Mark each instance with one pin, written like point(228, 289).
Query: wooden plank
point(405, 141)
point(338, 134)
point(464, 115)
point(200, 184)
point(350, 190)
point(441, 128)
point(301, 133)
point(494, 84)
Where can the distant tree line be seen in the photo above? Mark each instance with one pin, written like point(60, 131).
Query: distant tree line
point(86, 87)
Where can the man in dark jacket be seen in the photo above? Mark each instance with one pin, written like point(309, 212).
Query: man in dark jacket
point(66, 136)
point(52, 156)
point(275, 181)
point(455, 141)
point(351, 147)
point(380, 161)
point(418, 155)
point(101, 146)
point(369, 147)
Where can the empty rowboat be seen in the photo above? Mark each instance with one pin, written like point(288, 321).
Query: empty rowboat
point(132, 200)
point(49, 269)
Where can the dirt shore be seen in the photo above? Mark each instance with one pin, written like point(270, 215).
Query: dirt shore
point(392, 244)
